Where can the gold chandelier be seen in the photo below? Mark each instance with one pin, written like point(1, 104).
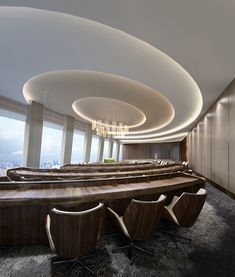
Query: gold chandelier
point(109, 129)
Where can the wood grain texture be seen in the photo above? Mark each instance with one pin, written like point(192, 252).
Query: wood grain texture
point(193, 150)
point(189, 149)
point(30, 174)
point(188, 208)
point(17, 174)
point(220, 143)
point(75, 236)
point(231, 185)
point(22, 225)
point(142, 218)
point(198, 149)
point(137, 151)
point(106, 165)
point(218, 140)
point(183, 150)
point(23, 212)
point(146, 151)
point(111, 168)
point(93, 193)
point(206, 147)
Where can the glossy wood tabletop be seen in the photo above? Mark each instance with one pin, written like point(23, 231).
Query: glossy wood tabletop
point(93, 193)
point(25, 205)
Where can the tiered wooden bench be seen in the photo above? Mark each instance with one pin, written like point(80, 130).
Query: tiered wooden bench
point(24, 205)
point(24, 173)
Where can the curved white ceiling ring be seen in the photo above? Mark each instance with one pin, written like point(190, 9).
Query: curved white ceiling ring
point(101, 108)
point(59, 90)
point(78, 43)
point(176, 137)
point(155, 135)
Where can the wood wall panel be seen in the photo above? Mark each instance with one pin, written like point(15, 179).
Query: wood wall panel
point(189, 148)
point(175, 152)
point(206, 147)
point(217, 135)
point(136, 151)
point(198, 149)
point(188, 141)
point(146, 151)
point(193, 150)
point(232, 137)
point(220, 142)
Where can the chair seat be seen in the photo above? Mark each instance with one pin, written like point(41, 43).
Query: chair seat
point(120, 222)
point(169, 208)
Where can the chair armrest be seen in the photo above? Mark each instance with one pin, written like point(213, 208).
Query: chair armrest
point(112, 212)
point(48, 229)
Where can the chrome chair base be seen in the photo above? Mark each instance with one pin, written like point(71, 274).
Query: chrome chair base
point(75, 261)
point(132, 246)
point(174, 236)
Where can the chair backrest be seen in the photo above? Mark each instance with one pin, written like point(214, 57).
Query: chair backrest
point(188, 207)
point(75, 233)
point(142, 217)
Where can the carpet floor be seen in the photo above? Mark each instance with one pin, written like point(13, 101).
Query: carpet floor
point(211, 253)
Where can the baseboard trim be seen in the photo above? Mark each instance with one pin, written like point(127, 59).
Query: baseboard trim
point(229, 193)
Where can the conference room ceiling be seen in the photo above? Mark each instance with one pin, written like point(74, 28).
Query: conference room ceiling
point(88, 98)
point(196, 37)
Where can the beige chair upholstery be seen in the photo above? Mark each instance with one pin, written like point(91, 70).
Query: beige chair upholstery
point(185, 209)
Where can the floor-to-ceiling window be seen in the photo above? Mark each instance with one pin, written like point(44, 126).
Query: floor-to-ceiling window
point(114, 154)
point(94, 149)
point(120, 152)
point(106, 149)
point(78, 147)
point(12, 127)
point(51, 145)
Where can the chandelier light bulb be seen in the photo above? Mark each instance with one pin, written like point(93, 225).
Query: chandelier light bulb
point(107, 129)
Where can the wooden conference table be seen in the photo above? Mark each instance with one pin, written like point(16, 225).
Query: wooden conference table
point(24, 206)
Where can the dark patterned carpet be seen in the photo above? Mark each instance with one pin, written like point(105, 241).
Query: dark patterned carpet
point(211, 253)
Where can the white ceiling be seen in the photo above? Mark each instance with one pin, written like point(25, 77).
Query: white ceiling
point(109, 110)
point(62, 90)
point(196, 34)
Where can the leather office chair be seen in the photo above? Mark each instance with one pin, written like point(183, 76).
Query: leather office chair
point(185, 209)
point(139, 221)
point(74, 234)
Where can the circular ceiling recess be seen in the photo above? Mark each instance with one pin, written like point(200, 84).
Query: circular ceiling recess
point(89, 95)
point(102, 108)
point(80, 44)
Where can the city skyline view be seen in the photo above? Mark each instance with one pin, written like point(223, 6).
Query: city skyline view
point(12, 143)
